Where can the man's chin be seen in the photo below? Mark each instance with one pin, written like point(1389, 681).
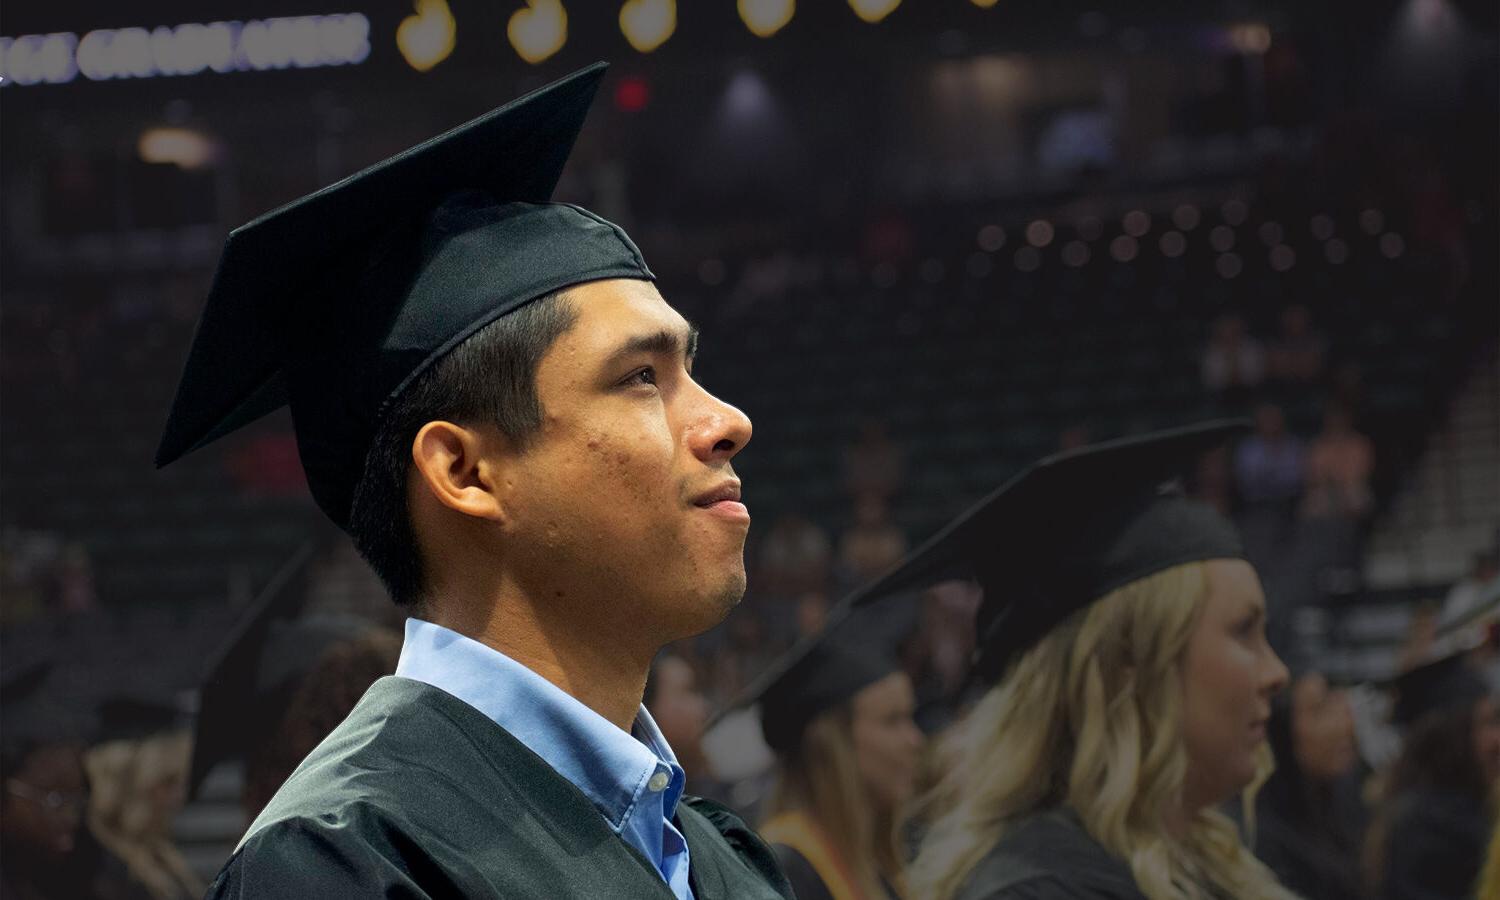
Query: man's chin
point(727, 598)
point(708, 610)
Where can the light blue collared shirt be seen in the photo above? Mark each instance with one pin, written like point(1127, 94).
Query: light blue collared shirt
point(632, 779)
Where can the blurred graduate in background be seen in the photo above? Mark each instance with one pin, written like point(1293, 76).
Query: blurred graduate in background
point(138, 773)
point(1127, 634)
point(1310, 816)
point(1437, 806)
point(838, 712)
point(47, 851)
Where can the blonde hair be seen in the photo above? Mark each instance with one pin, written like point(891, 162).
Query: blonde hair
point(1090, 718)
point(1488, 887)
point(126, 813)
point(821, 779)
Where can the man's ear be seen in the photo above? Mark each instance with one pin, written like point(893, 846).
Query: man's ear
point(453, 467)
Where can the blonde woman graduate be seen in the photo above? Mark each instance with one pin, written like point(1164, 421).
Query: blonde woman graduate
point(1124, 634)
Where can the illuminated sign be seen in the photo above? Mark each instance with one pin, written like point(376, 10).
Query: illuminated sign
point(297, 42)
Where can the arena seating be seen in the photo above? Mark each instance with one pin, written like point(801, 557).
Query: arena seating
point(977, 360)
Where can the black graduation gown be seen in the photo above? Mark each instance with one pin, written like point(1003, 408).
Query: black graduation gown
point(800, 874)
point(1436, 845)
point(1314, 854)
point(417, 794)
point(806, 883)
point(1049, 856)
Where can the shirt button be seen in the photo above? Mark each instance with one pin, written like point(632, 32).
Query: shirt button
point(658, 781)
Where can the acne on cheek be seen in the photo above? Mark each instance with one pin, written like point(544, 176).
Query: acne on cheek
point(617, 458)
point(605, 448)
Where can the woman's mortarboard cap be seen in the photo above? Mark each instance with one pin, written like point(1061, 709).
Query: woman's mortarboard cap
point(1071, 528)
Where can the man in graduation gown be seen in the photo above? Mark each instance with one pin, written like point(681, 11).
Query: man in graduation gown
point(491, 397)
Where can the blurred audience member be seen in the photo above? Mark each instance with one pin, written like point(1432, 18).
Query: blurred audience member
point(1337, 499)
point(1268, 476)
point(42, 573)
point(874, 464)
point(1438, 227)
point(744, 652)
point(939, 653)
point(1489, 880)
point(1233, 361)
point(812, 613)
point(840, 721)
point(1309, 820)
point(321, 699)
point(1270, 465)
point(139, 788)
point(681, 713)
point(47, 852)
point(75, 580)
point(794, 556)
point(1437, 808)
point(1346, 389)
point(872, 545)
point(341, 583)
point(1296, 355)
point(1470, 610)
point(21, 599)
point(1340, 462)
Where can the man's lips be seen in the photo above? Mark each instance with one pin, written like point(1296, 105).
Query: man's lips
point(729, 490)
point(724, 500)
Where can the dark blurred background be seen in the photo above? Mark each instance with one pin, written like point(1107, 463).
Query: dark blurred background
point(923, 251)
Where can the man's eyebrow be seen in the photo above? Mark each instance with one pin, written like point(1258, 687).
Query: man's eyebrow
point(662, 343)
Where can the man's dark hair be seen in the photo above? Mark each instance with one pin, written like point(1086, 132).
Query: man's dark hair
point(490, 377)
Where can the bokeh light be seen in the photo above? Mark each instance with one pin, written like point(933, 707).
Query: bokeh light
point(991, 238)
point(1039, 233)
point(538, 30)
point(766, 17)
point(1228, 265)
point(647, 24)
point(1075, 254)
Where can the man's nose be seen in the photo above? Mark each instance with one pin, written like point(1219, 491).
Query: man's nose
point(721, 431)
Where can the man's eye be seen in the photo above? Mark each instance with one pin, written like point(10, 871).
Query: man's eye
point(644, 376)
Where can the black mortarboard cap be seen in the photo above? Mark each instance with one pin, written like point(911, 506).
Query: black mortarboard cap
point(810, 680)
point(1068, 530)
point(333, 303)
point(36, 711)
point(258, 667)
point(22, 707)
point(1449, 682)
point(131, 716)
point(22, 682)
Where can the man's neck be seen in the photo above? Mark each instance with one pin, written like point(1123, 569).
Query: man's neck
point(601, 673)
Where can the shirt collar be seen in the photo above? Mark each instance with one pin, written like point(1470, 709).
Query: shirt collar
point(612, 768)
